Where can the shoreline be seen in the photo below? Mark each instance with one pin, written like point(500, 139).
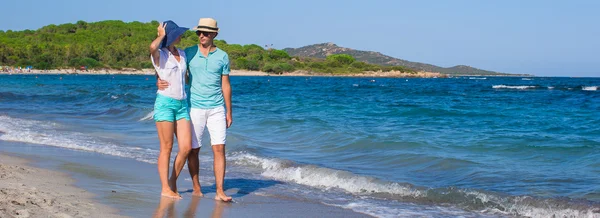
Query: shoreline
point(300, 73)
point(130, 191)
point(150, 72)
point(28, 191)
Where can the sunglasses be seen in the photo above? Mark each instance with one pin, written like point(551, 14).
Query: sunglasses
point(204, 33)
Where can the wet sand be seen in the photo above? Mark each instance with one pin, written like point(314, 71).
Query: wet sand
point(117, 187)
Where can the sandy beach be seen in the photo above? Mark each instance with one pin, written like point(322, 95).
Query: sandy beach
point(27, 191)
point(239, 73)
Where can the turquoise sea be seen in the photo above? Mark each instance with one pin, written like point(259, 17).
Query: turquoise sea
point(462, 146)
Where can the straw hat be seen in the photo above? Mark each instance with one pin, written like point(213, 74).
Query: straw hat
point(207, 25)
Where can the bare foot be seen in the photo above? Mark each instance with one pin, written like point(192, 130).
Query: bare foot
point(222, 197)
point(170, 194)
point(197, 193)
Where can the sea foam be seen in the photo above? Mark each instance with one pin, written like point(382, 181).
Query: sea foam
point(45, 133)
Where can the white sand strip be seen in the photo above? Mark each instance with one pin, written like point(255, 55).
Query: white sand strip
point(27, 191)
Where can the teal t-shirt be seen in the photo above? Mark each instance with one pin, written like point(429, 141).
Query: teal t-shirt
point(205, 77)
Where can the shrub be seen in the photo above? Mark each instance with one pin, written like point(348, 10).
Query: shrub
point(253, 49)
point(255, 57)
point(268, 67)
point(340, 59)
point(252, 65)
point(235, 51)
point(243, 63)
point(147, 64)
point(278, 55)
point(42, 65)
point(277, 67)
point(298, 65)
point(89, 62)
point(316, 65)
point(286, 67)
point(359, 65)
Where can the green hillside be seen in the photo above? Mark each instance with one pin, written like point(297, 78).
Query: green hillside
point(117, 44)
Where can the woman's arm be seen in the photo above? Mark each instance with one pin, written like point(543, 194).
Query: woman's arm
point(155, 45)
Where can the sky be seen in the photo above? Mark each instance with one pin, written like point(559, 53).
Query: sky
point(543, 38)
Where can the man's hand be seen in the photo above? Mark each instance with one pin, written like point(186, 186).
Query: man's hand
point(229, 119)
point(161, 84)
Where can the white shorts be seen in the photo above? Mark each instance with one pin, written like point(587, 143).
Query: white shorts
point(214, 120)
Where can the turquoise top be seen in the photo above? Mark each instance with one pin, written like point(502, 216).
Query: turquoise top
point(205, 77)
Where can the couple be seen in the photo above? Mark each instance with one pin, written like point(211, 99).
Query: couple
point(176, 113)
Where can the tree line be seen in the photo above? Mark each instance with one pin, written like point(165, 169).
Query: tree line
point(116, 44)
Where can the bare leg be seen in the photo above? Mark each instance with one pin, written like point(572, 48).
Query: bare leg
point(219, 167)
point(194, 168)
point(165, 135)
point(184, 140)
point(198, 125)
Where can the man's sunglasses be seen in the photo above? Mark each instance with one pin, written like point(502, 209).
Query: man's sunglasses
point(204, 33)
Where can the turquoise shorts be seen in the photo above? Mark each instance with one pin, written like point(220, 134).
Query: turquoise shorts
point(170, 109)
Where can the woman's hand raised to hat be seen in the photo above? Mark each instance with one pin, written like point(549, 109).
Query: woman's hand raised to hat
point(161, 29)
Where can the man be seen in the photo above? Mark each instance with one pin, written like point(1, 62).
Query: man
point(210, 100)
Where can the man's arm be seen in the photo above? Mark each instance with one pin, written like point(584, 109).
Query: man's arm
point(226, 86)
point(161, 84)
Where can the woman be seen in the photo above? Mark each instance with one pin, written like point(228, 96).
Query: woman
point(171, 108)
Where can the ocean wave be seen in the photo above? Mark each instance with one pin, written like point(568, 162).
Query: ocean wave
point(116, 111)
point(322, 177)
point(405, 210)
point(551, 87)
point(513, 87)
point(77, 96)
point(472, 200)
point(127, 97)
point(26, 96)
point(148, 116)
point(9, 95)
point(93, 105)
point(45, 133)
